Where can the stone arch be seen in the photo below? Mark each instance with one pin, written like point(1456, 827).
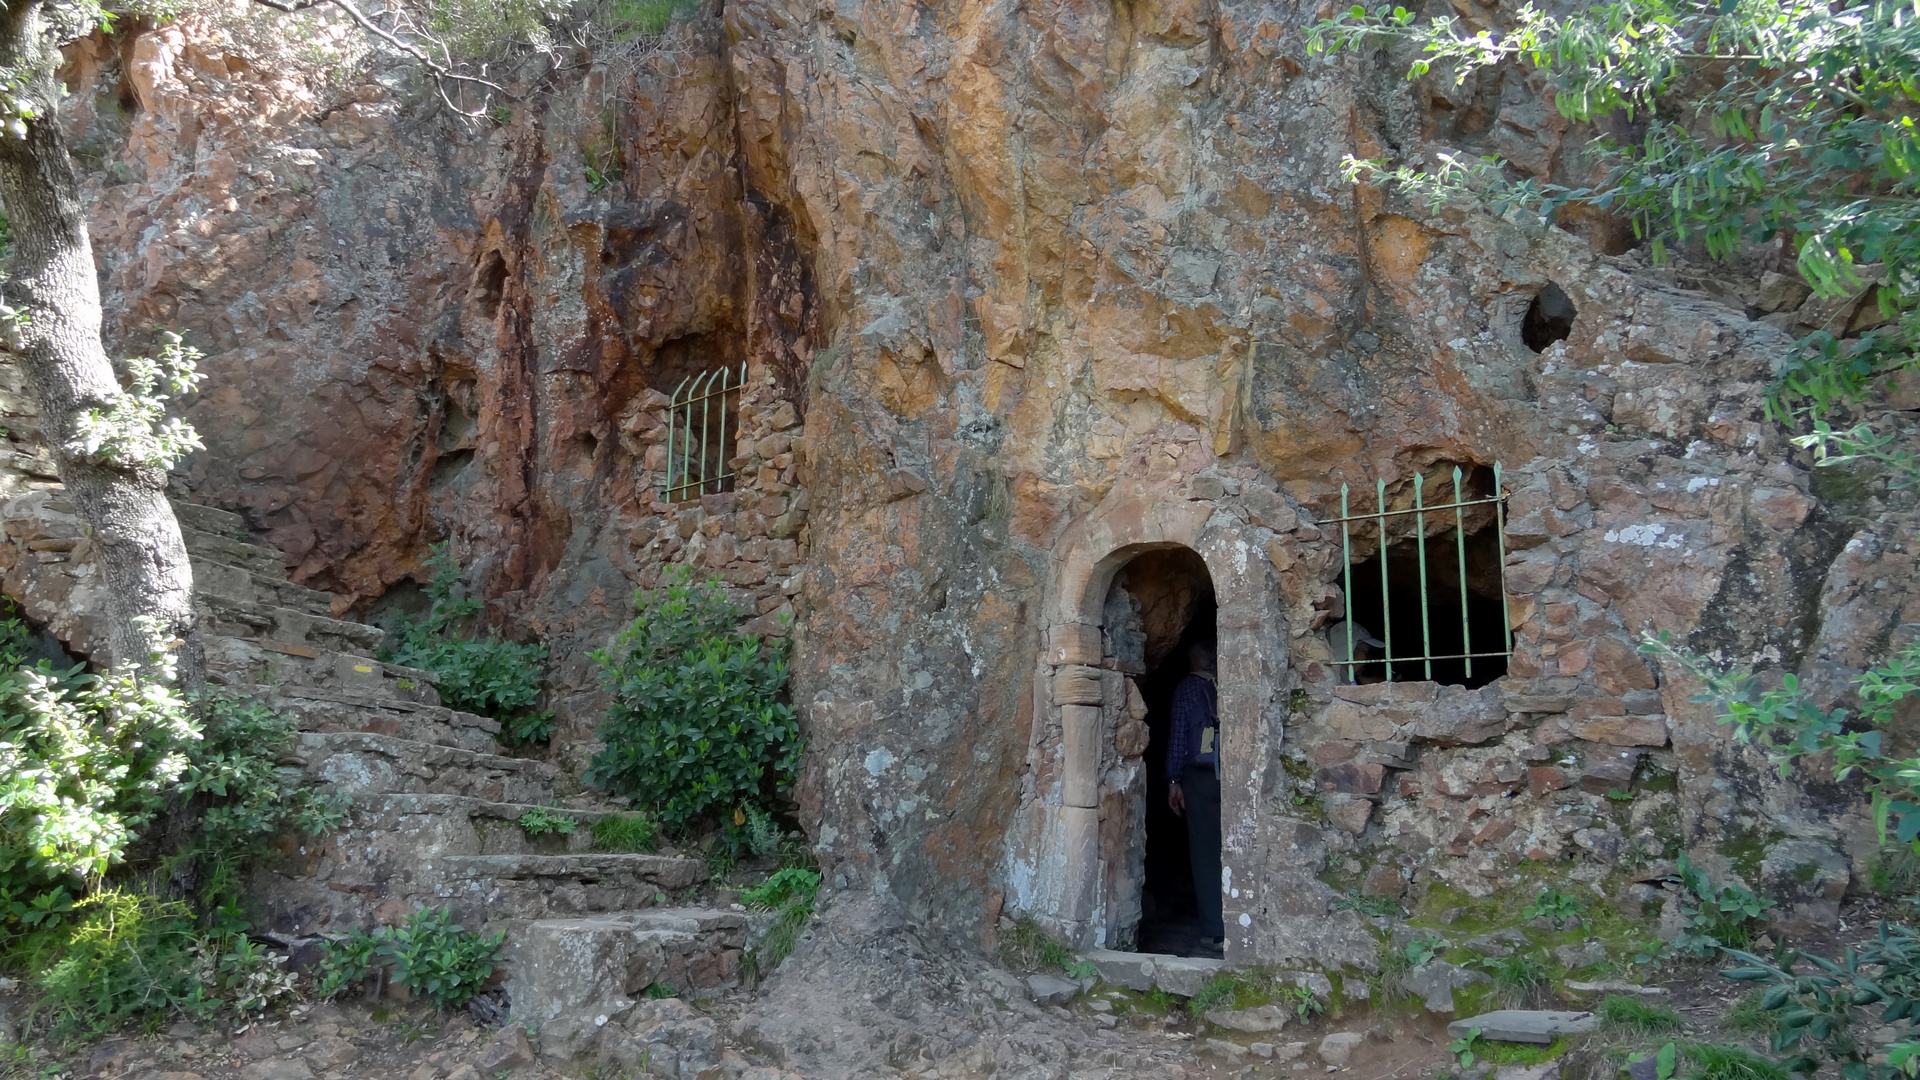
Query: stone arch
point(1064, 879)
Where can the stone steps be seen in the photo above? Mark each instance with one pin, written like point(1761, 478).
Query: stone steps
point(240, 586)
point(227, 617)
point(534, 886)
point(402, 852)
point(364, 763)
point(330, 711)
point(571, 973)
point(267, 663)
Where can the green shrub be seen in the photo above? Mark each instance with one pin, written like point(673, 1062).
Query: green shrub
point(625, 832)
point(1749, 1017)
point(429, 954)
point(490, 28)
point(124, 954)
point(642, 18)
point(696, 725)
point(488, 676)
point(244, 798)
point(85, 761)
point(542, 821)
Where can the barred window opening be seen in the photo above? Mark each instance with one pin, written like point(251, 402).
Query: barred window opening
point(1431, 606)
point(703, 414)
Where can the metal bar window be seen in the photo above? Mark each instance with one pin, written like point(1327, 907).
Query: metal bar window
point(1483, 635)
point(697, 451)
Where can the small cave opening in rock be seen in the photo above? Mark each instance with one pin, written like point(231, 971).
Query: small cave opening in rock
point(1161, 605)
point(1447, 632)
point(1549, 318)
point(490, 284)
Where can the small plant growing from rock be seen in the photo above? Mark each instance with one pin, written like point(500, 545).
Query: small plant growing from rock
point(1463, 1048)
point(1723, 915)
point(1423, 948)
point(1558, 907)
point(790, 893)
point(543, 821)
point(429, 954)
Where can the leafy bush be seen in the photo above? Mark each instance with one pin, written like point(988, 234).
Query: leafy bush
point(1422, 948)
point(541, 821)
point(696, 725)
point(489, 676)
point(128, 953)
point(246, 799)
point(429, 954)
point(489, 28)
point(625, 832)
point(85, 761)
point(1815, 1011)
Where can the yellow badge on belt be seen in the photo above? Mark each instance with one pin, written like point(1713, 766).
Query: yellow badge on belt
point(1206, 740)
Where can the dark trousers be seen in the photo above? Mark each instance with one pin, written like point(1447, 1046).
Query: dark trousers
point(1201, 786)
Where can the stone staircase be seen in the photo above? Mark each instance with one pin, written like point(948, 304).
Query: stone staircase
point(433, 802)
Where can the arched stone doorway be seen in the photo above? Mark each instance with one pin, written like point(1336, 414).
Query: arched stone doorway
point(1073, 838)
point(1160, 605)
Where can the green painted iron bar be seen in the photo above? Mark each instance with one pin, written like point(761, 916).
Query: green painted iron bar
point(671, 404)
point(706, 405)
point(1420, 545)
point(1386, 607)
point(719, 481)
point(1437, 506)
point(1346, 552)
point(1447, 656)
point(1500, 533)
point(1460, 547)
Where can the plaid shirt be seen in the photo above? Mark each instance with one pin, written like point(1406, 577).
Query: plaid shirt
point(1195, 708)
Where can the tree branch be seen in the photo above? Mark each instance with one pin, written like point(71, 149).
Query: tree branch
point(441, 72)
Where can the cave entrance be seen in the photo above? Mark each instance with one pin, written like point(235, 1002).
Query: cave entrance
point(1160, 606)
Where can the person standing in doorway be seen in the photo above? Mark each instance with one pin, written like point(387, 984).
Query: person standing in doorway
point(1193, 775)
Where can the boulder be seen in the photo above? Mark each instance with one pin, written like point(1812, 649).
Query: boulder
point(1539, 1026)
point(1051, 990)
point(1255, 1021)
point(1338, 1047)
point(1436, 980)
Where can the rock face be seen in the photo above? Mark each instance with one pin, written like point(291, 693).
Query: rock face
point(1022, 292)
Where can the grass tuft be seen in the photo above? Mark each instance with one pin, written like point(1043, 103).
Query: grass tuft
point(1520, 981)
point(625, 833)
point(1028, 946)
point(1633, 1017)
point(1712, 1061)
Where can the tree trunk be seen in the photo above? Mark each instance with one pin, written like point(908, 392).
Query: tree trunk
point(135, 536)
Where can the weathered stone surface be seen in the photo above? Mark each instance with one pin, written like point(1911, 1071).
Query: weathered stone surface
point(1052, 990)
point(1258, 1020)
point(1337, 1048)
point(1435, 981)
point(1525, 1025)
point(508, 1050)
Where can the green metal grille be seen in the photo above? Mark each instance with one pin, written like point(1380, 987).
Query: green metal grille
point(1418, 512)
point(697, 452)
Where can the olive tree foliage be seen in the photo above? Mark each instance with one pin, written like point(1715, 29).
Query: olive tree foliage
point(1765, 122)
